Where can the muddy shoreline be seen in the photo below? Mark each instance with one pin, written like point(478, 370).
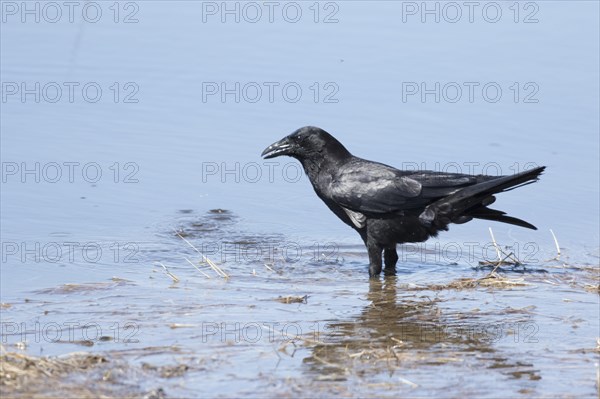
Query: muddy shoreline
point(313, 326)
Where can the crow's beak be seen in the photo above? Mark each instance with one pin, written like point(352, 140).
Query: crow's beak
point(282, 147)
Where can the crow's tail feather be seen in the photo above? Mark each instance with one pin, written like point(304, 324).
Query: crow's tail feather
point(499, 216)
point(471, 202)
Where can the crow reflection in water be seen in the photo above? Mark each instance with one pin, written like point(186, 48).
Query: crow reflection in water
point(397, 329)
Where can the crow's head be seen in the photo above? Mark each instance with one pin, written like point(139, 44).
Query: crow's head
point(306, 143)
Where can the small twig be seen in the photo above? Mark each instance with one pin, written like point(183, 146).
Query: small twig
point(407, 382)
point(500, 252)
point(217, 268)
point(512, 256)
point(197, 268)
point(516, 261)
point(496, 267)
point(495, 245)
point(174, 277)
point(557, 246)
point(212, 264)
point(267, 266)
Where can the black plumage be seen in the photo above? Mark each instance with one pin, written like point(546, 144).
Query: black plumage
point(387, 206)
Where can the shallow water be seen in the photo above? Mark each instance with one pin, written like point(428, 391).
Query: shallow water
point(81, 256)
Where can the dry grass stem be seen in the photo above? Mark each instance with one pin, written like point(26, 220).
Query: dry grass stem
point(212, 264)
point(197, 268)
point(174, 277)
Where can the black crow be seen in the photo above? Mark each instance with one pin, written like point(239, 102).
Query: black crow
point(387, 206)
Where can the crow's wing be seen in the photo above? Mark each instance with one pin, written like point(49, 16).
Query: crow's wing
point(369, 187)
point(440, 184)
point(373, 188)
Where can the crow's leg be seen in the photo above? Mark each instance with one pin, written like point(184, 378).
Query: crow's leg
point(374, 259)
point(390, 257)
